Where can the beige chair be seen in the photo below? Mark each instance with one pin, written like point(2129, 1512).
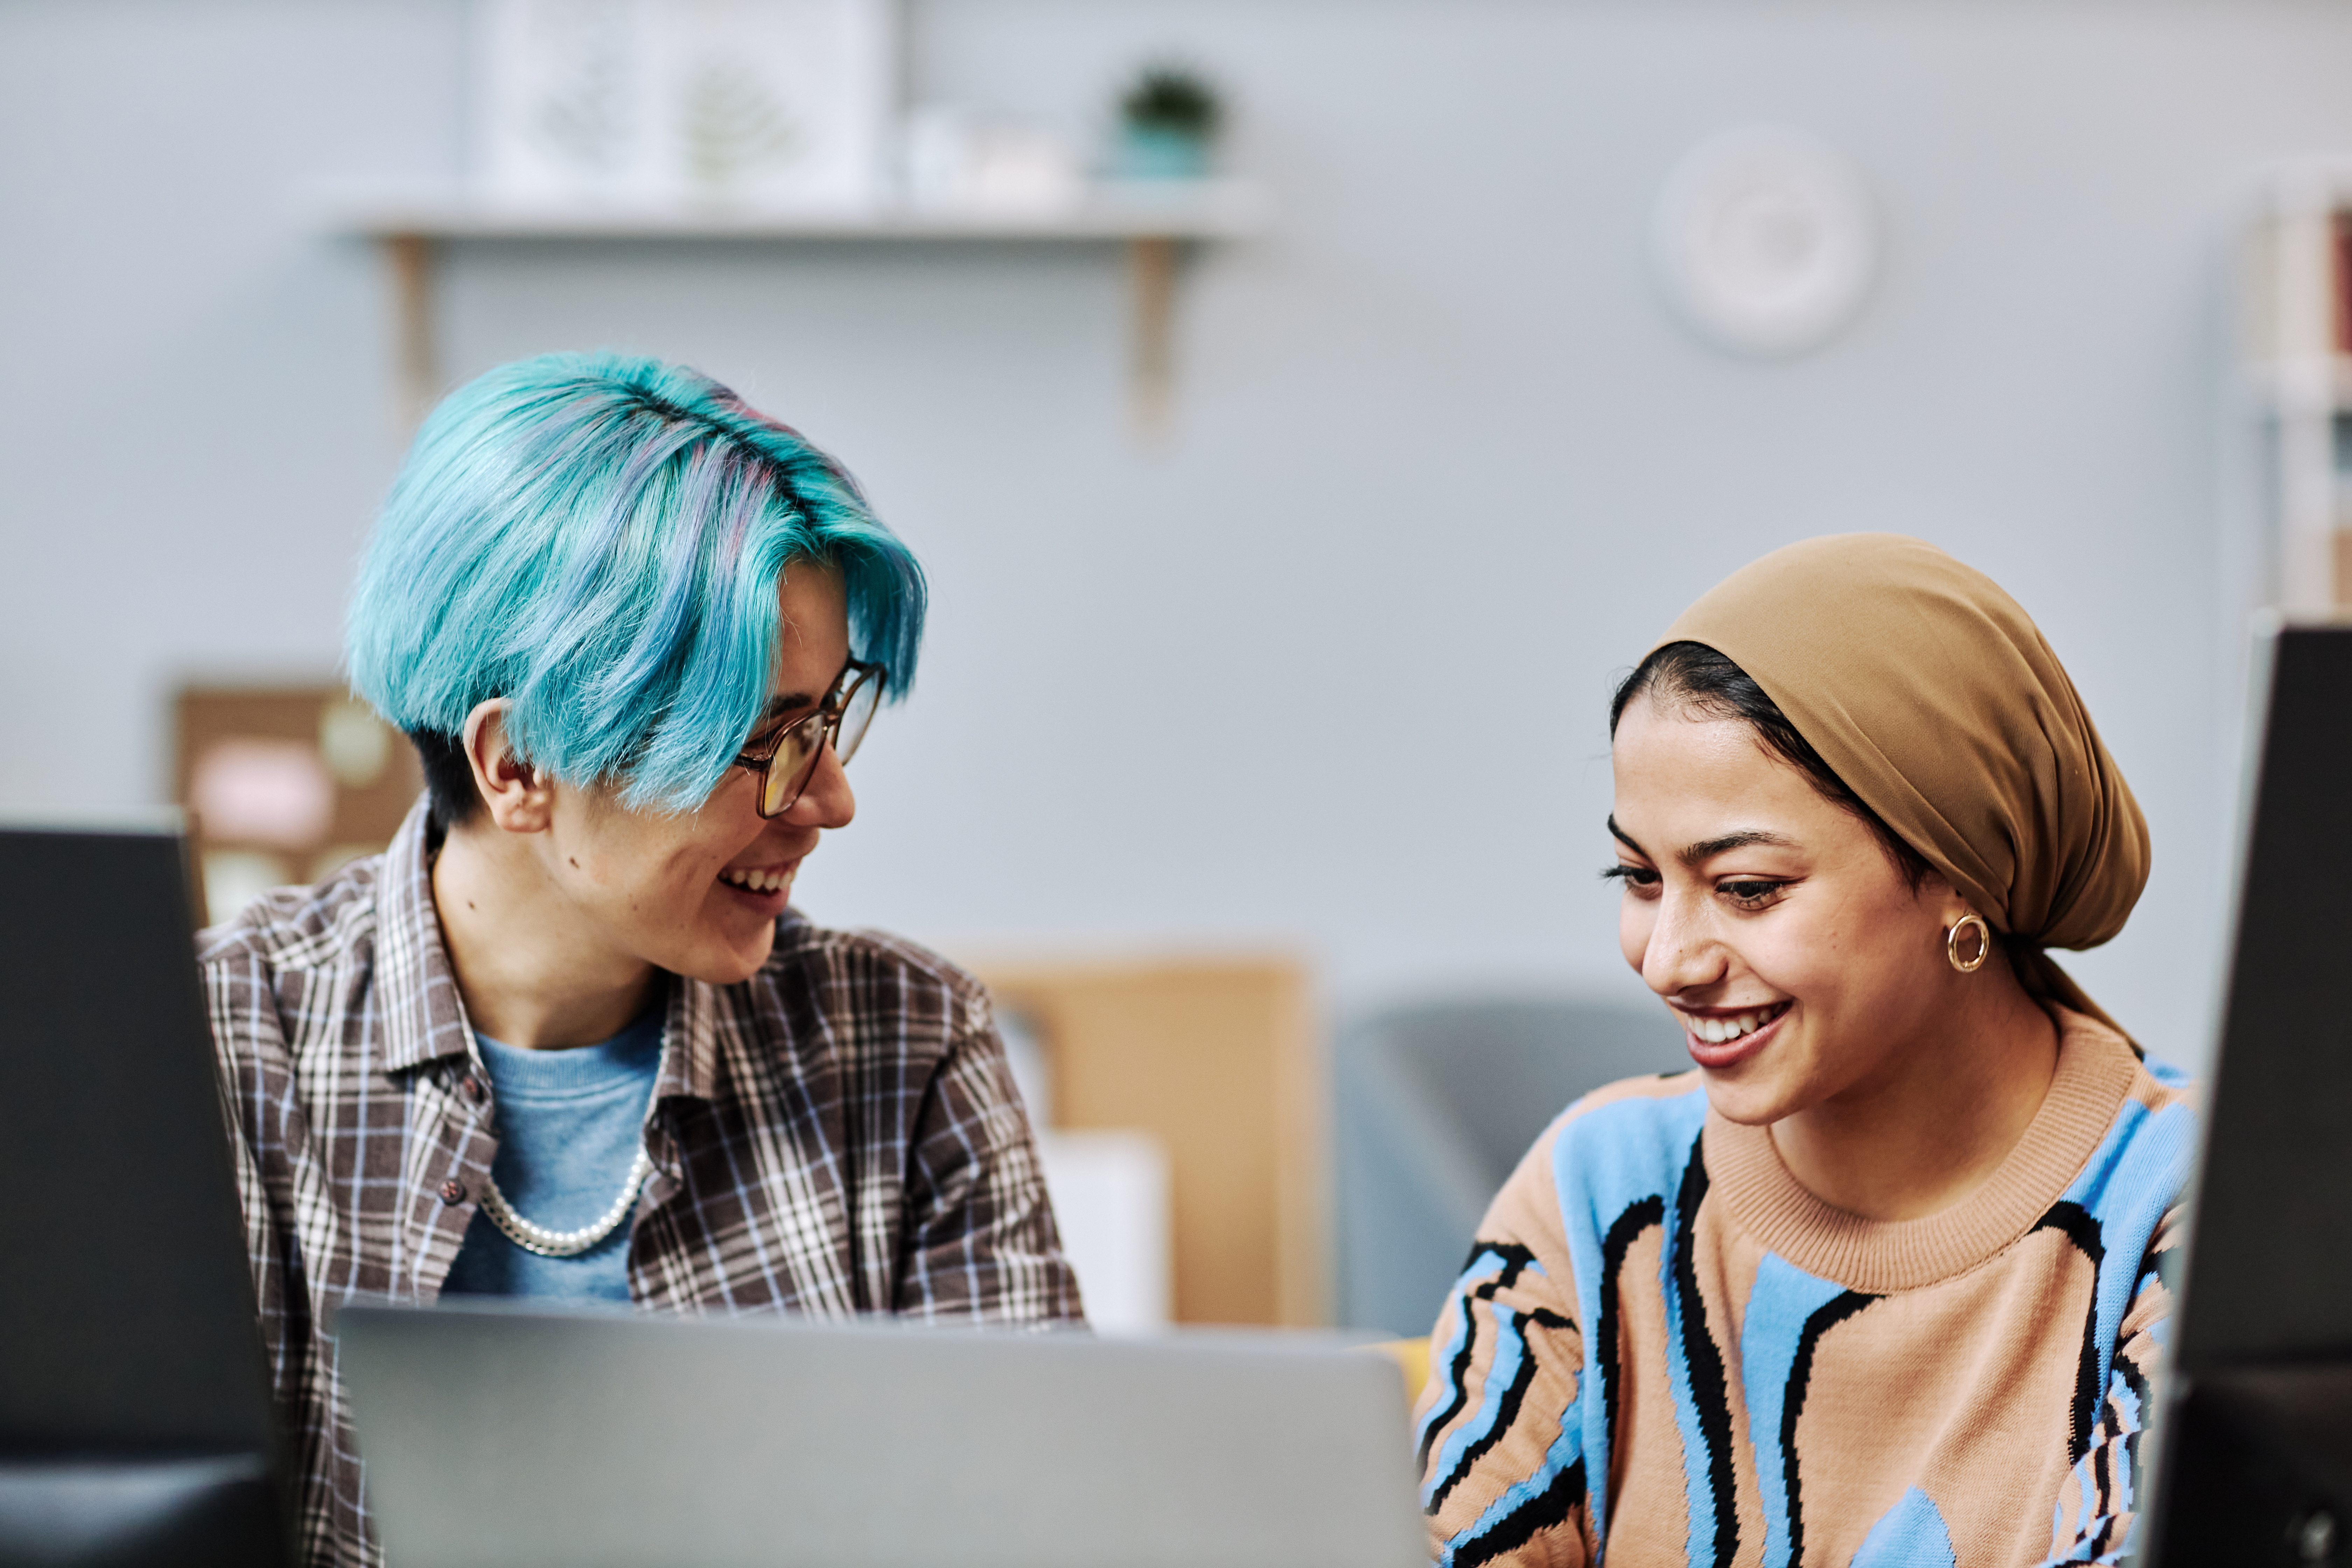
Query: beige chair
point(1218, 1058)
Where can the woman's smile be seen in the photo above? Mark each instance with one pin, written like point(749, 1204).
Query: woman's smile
point(1722, 1037)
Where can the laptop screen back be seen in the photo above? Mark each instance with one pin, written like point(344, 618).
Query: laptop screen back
point(500, 1438)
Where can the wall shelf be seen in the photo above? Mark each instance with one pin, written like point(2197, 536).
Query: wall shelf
point(1155, 220)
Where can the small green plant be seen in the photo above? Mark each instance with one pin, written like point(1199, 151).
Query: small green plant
point(1171, 101)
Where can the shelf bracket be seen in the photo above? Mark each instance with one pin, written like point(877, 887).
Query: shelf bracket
point(1152, 261)
point(412, 258)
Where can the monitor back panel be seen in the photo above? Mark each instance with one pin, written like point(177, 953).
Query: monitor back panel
point(499, 1437)
point(2269, 1278)
point(2253, 1454)
point(128, 1309)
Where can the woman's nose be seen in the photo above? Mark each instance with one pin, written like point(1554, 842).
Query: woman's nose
point(1681, 953)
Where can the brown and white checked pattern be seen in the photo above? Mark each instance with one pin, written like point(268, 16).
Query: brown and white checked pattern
point(838, 1135)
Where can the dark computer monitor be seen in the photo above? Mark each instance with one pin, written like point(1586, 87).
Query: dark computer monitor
point(2255, 1450)
point(135, 1420)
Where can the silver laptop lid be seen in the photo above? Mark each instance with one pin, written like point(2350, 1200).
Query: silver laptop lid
point(515, 1439)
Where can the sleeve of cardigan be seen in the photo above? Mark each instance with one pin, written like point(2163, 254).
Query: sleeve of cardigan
point(2100, 1502)
point(1498, 1427)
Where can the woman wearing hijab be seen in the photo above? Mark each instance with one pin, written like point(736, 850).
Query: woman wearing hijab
point(1877, 1282)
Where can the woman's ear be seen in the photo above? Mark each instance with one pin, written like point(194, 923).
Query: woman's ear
point(515, 794)
point(1941, 896)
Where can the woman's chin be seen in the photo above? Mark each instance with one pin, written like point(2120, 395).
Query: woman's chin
point(1751, 1100)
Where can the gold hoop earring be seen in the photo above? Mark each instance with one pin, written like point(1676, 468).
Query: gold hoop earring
point(1984, 944)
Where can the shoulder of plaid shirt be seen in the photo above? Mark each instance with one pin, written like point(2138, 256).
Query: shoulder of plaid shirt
point(838, 1135)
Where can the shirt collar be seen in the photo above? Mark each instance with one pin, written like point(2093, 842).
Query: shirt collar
point(690, 1064)
point(416, 991)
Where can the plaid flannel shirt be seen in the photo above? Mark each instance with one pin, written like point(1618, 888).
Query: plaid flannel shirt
point(838, 1135)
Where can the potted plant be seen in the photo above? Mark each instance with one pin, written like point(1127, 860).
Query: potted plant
point(1169, 117)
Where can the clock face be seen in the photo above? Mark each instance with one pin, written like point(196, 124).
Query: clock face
point(1765, 240)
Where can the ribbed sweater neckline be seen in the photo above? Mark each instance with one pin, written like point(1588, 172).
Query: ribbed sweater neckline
point(2096, 1069)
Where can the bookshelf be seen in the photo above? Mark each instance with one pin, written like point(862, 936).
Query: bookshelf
point(2297, 337)
point(1156, 221)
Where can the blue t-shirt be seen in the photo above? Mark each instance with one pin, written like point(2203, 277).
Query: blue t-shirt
point(570, 1124)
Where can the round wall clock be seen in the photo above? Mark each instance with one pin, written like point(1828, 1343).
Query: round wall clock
point(1765, 240)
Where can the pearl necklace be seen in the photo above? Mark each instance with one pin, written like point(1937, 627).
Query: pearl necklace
point(564, 1243)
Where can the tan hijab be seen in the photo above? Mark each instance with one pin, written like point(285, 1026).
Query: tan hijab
point(1932, 695)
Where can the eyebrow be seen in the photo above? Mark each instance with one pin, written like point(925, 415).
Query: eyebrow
point(784, 703)
point(1708, 849)
point(778, 706)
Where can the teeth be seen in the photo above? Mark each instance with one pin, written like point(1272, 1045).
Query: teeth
point(758, 881)
point(1716, 1031)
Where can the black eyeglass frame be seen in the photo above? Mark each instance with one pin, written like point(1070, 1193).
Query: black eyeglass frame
point(829, 714)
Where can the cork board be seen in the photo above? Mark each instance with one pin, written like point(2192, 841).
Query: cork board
point(284, 784)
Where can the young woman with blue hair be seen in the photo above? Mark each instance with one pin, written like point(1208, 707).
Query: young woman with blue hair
point(567, 1037)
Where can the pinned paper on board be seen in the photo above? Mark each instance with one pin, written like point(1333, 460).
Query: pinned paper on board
point(262, 791)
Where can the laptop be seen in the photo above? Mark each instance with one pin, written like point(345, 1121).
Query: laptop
point(528, 1439)
point(135, 1419)
point(2254, 1462)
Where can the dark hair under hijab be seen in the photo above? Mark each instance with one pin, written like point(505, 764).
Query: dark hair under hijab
point(1697, 678)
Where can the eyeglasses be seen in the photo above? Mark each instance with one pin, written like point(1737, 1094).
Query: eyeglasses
point(788, 759)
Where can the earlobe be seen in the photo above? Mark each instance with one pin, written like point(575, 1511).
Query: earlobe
point(513, 792)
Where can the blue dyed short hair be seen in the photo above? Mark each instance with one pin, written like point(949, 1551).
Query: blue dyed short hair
point(599, 539)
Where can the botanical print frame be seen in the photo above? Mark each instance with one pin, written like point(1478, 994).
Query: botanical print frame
point(775, 102)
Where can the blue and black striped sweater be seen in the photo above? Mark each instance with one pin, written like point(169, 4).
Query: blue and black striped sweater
point(1663, 1350)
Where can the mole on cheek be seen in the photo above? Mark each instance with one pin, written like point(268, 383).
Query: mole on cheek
point(575, 864)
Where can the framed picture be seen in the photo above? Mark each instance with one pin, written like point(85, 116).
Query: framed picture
point(772, 102)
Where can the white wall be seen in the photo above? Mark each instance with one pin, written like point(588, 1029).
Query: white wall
point(1330, 668)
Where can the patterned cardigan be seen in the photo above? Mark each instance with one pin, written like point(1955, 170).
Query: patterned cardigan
point(1664, 1349)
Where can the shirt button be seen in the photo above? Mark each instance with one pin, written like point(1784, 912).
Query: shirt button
point(453, 1191)
point(473, 1087)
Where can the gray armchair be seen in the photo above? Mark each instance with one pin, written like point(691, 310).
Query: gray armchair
point(1435, 1103)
